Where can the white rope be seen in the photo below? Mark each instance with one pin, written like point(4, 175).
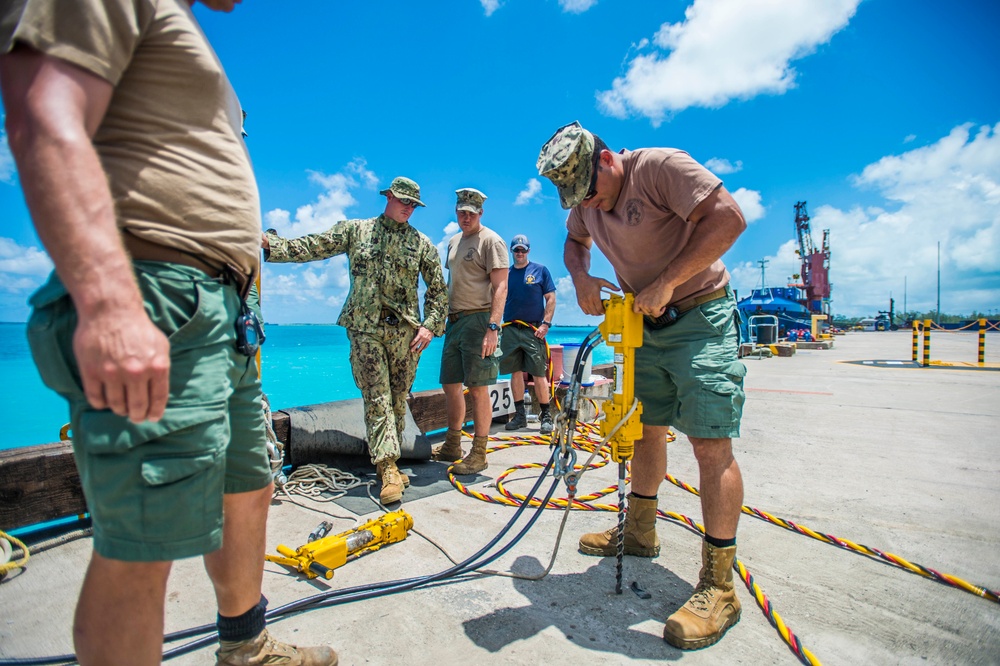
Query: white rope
point(321, 483)
point(275, 449)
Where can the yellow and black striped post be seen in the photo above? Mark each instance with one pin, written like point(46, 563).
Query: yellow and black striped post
point(927, 342)
point(982, 342)
point(916, 339)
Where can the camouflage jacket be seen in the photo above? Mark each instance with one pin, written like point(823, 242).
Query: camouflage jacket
point(385, 259)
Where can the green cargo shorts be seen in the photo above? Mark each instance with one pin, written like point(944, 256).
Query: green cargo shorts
point(688, 374)
point(461, 359)
point(155, 490)
point(523, 351)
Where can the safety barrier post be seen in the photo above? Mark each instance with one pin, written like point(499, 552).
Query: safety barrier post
point(982, 342)
point(916, 339)
point(927, 342)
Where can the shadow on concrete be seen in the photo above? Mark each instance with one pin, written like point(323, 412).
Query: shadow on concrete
point(585, 608)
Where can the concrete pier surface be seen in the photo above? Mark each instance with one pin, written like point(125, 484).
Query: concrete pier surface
point(903, 460)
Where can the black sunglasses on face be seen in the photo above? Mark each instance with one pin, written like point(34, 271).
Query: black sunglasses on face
point(592, 192)
point(407, 202)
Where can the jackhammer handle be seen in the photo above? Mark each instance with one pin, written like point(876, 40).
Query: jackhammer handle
point(320, 570)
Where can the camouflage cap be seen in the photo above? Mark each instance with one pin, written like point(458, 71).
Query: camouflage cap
point(404, 188)
point(566, 160)
point(470, 199)
point(520, 240)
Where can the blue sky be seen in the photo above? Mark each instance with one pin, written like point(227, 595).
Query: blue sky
point(883, 114)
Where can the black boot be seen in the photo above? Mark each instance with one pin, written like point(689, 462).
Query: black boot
point(519, 420)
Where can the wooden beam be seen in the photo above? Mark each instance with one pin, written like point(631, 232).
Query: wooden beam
point(38, 484)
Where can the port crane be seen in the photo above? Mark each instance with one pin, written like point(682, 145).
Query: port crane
point(815, 271)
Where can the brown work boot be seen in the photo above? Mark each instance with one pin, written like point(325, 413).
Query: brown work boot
point(392, 483)
point(713, 607)
point(263, 649)
point(451, 450)
point(475, 461)
point(640, 533)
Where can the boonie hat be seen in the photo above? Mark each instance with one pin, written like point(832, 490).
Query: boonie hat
point(566, 160)
point(404, 188)
point(470, 199)
point(520, 240)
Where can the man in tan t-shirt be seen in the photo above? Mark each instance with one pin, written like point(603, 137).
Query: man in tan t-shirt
point(127, 136)
point(477, 291)
point(664, 222)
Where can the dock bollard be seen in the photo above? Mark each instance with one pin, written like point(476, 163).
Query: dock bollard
point(927, 342)
point(982, 342)
point(916, 339)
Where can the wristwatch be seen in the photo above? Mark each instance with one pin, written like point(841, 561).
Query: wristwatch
point(547, 323)
point(494, 326)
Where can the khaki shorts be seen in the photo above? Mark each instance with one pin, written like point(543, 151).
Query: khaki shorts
point(688, 374)
point(154, 490)
point(523, 351)
point(461, 359)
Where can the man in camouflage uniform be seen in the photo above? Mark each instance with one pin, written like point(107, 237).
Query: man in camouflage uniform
point(381, 314)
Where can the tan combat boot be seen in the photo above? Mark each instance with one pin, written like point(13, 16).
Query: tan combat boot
point(392, 483)
point(263, 649)
point(640, 533)
point(713, 607)
point(475, 461)
point(451, 450)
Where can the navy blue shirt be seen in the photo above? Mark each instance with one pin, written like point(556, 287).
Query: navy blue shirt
point(526, 289)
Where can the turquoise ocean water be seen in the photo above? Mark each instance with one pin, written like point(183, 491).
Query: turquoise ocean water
point(300, 365)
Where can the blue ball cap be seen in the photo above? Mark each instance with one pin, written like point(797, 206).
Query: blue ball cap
point(520, 240)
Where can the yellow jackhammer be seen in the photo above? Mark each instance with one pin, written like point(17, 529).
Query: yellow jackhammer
point(622, 331)
point(321, 556)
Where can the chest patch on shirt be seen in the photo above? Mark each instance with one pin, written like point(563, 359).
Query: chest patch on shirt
point(530, 279)
point(633, 212)
point(470, 255)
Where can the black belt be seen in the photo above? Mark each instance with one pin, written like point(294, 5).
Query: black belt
point(521, 324)
point(455, 316)
point(674, 312)
point(141, 249)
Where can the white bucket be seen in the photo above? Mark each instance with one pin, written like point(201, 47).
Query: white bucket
point(570, 351)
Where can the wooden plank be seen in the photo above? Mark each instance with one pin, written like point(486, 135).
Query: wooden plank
point(429, 411)
point(38, 484)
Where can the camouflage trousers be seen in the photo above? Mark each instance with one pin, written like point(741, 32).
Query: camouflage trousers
point(384, 368)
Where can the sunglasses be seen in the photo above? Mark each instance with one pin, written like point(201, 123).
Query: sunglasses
point(406, 201)
point(519, 250)
point(592, 192)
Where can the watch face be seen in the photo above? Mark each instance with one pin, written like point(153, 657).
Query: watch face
point(494, 327)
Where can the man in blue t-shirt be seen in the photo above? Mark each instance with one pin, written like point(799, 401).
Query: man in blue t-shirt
point(531, 302)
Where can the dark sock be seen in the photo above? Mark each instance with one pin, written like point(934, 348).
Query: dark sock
point(519, 407)
point(646, 497)
point(243, 627)
point(720, 543)
point(544, 408)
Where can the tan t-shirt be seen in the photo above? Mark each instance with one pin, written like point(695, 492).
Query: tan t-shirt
point(648, 227)
point(170, 142)
point(470, 261)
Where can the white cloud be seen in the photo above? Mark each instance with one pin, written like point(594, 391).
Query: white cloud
point(22, 268)
point(329, 208)
point(720, 166)
point(576, 6)
point(531, 193)
point(7, 167)
point(450, 230)
point(749, 201)
point(568, 312)
point(723, 50)
point(490, 6)
point(948, 191)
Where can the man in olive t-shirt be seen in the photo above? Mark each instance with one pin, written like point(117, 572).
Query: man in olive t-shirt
point(664, 222)
point(127, 137)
